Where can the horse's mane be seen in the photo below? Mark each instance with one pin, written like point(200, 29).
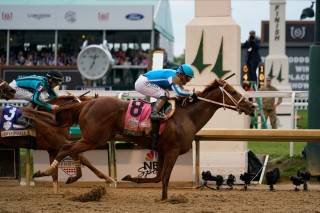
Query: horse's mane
point(210, 87)
point(68, 119)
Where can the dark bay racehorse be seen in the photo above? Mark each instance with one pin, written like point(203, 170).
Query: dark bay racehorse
point(50, 138)
point(101, 120)
point(6, 92)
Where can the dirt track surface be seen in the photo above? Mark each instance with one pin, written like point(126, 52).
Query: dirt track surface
point(256, 199)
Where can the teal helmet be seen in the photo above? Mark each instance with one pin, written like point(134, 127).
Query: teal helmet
point(185, 69)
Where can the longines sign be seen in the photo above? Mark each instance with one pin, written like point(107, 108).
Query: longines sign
point(77, 17)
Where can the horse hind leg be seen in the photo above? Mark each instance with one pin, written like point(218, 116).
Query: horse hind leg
point(78, 175)
point(80, 159)
point(99, 174)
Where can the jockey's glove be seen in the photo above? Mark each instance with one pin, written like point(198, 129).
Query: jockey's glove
point(194, 96)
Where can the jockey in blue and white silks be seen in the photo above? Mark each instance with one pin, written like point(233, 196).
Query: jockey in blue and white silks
point(31, 88)
point(154, 83)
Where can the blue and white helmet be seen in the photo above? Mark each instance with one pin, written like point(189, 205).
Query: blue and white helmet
point(185, 69)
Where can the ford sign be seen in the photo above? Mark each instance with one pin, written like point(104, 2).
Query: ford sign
point(134, 16)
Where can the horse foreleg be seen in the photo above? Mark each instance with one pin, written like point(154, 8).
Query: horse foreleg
point(52, 155)
point(156, 179)
point(66, 149)
point(170, 160)
point(99, 174)
point(54, 164)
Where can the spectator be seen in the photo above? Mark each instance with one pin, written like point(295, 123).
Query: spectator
point(253, 58)
point(269, 106)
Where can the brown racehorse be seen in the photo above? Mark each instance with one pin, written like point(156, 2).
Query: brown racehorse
point(51, 139)
point(101, 120)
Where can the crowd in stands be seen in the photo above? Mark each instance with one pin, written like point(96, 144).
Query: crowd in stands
point(130, 57)
point(2, 59)
point(46, 58)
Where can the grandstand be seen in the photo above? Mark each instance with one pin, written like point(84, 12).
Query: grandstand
point(41, 35)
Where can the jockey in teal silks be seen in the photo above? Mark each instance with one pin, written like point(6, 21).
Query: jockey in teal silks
point(32, 88)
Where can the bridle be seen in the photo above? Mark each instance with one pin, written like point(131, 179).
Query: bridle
point(236, 103)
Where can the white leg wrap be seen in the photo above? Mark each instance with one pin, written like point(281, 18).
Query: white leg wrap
point(54, 164)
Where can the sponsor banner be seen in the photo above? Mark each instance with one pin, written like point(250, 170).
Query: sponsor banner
point(143, 163)
point(72, 78)
point(27, 17)
point(80, 17)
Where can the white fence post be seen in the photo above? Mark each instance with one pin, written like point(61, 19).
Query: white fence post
point(293, 122)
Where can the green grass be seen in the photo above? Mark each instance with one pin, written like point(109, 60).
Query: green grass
point(275, 149)
point(279, 156)
point(279, 151)
point(302, 122)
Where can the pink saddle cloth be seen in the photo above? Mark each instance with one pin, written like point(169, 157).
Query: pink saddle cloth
point(137, 119)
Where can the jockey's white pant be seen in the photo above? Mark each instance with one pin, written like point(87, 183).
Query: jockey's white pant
point(21, 93)
point(145, 87)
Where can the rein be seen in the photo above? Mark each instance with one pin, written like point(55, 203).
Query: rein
point(76, 98)
point(223, 104)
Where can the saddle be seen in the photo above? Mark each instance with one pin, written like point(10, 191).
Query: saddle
point(10, 125)
point(137, 120)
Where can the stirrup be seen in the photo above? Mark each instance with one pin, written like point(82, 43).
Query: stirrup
point(157, 116)
point(24, 122)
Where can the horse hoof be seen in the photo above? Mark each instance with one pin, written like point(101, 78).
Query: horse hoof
point(71, 180)
point(37, 174)
point(110, 180)
point(127, 178)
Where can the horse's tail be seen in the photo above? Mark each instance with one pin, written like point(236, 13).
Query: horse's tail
point(68, 115)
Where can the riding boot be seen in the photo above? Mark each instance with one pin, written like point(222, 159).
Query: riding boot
point(155, 133)
point(155, 114)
